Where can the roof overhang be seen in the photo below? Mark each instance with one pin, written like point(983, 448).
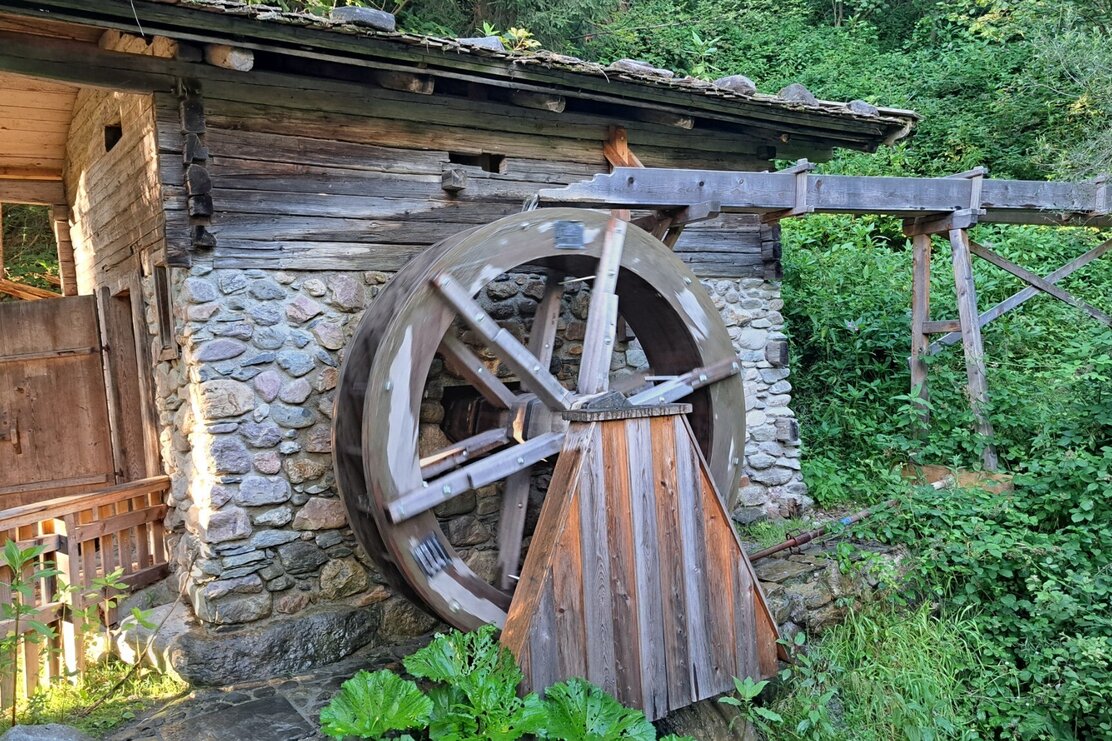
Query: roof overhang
point(823, 126)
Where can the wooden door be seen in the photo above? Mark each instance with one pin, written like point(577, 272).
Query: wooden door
point(54, 433)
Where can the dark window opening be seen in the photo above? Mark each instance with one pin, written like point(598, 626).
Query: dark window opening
point(488, 162)
point(112, 135)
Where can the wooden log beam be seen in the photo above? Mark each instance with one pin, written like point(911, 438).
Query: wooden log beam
point(1026, 294)
point(920, 314)
point(1005, 201)
point(1040, 283)
point(25, 292)
point(664, 118)
point(977, 383)
point(38, 192)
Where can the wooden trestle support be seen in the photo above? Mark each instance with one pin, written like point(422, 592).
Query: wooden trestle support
point(633, 576)
point(928, 206)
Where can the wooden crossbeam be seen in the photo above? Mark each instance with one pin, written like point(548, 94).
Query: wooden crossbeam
point(1003, 201)
point(1040, 283)
point(1026, 294)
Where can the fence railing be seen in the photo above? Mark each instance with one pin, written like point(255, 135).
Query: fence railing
point(86, 537)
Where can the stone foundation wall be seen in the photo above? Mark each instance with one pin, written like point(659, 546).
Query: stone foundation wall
point(257, 528)
point(751, 311)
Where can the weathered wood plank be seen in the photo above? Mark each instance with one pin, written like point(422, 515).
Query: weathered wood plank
point(1011, 201)
point(597, 582)
point(920, 314)
point(618, 464)
point(673, 589)
point(650, 608)
point(972, 344)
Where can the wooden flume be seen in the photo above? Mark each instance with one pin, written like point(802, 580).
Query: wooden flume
point(677, 460)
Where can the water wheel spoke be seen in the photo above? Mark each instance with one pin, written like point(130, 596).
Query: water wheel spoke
point(515, 355)
point(464, 451)
point(466, 363)
point(511, 526)
point(602, 313)
point(490, 469)
point(542, 335)
point(630, 383)
point(680, 386)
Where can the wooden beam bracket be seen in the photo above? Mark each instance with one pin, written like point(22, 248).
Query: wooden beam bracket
point(800, 169)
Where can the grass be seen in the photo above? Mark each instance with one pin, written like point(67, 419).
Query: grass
point(896, 674)
point(771, 532)
point(69, 703)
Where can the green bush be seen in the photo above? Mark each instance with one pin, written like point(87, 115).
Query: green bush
point(473, 696)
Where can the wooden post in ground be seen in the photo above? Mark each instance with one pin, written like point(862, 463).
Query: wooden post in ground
point(920, 315)
point(971, 342)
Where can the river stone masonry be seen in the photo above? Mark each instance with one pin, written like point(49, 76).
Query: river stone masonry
point(257, 530)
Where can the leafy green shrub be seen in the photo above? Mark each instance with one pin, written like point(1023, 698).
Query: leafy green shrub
point(578, 710)
point(476, 692)
point(372, 705)
point(1034, 569)
point(473, 696)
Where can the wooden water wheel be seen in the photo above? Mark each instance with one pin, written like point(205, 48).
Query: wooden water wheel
point(391, 488)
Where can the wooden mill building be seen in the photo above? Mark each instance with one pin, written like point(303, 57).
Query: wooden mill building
point(229, 188)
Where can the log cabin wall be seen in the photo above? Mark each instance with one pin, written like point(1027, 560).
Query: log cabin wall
point(316, 174)
point(111, 180)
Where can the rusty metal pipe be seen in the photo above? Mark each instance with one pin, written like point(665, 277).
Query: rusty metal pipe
point(848, 520)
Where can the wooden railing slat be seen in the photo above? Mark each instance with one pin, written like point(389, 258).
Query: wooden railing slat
point(87, 536)
point(53, 508)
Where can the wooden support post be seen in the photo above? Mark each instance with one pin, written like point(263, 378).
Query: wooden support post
point(67, 270)
point(920, 315)
point(971, 341)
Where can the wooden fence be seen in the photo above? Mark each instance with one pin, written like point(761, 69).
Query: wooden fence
point(85, 536)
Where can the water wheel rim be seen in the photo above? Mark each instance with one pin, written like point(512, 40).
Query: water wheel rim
point(376, 421)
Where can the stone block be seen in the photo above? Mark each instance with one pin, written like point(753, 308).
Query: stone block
point(272, 538)
point(347, 293)
point(223, 398)
point(276, 517)
point(229, 455)
point(342, 577)
point(261, 434)
point(402, 620)
point(256, 491)
point(295, 363)
point(230, 523)
point(302, 309)
point(296, 391)
point(293, 417)
point(301, 557)
point(321, 513)
point(199, 291)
